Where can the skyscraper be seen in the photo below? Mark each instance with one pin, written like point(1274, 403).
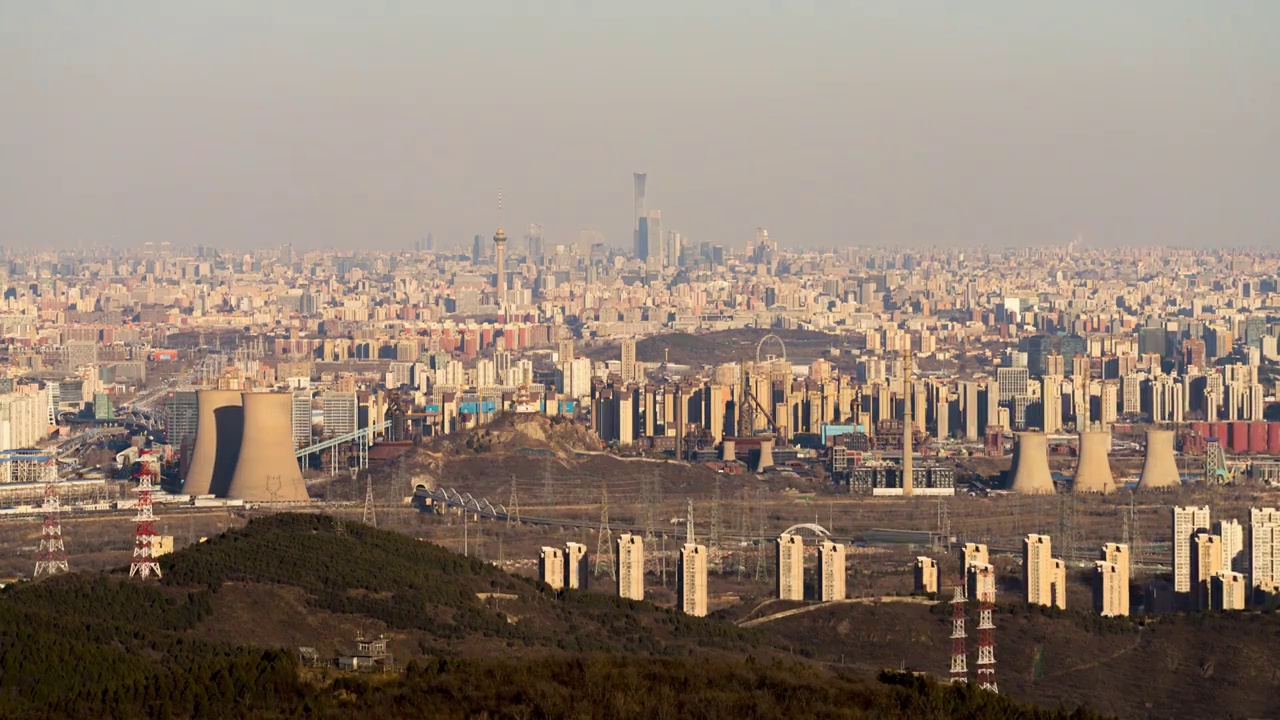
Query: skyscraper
point(641, 222)
point(654, 245)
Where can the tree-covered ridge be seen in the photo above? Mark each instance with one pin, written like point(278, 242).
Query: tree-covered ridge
point(93, 646)
point(351, 568)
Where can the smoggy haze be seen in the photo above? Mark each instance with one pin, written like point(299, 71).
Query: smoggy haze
point(325, 123)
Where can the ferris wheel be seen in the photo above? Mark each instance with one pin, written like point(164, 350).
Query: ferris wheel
point(760, 356)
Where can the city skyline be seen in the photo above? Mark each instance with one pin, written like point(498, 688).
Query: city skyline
point(243, 126)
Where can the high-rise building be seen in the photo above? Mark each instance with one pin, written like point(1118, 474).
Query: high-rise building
point(629, 557)
point(641, 229)
point(831, 570)
point(790, 564)
point(1037, 561)
point(576, 569)
point(181, 416)
point(1051, 404)
point(1058, 584)
point(1206, 561)
point(1232, 534)
point(1264, 550)
point(629, 373)
point(341, 413)
point(551, 567)
point(300, 418)
point(926, 578)
point(1187, 521)
point(1108, 586)
point(1227, 591)
point(1012, 381)
point(980, 580)
point(691, 580)
point(1117, 554)
point(654, 244)
point(973, 553)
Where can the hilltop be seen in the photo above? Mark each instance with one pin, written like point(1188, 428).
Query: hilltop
point(216, 638)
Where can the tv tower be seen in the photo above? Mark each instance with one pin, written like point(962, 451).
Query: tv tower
point(144, 533)
point(500, 257)
point(53, 556)
point(959, 665)
point(986, 645)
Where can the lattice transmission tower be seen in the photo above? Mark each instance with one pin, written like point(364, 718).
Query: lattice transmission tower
point(144, 531)
point(513, 505)
point(370, 515)
point(604, 542)
point(53, 554)
point(959, 662)
point(986, 645)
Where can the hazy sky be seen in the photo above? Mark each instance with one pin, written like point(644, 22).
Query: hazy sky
point(251, 123)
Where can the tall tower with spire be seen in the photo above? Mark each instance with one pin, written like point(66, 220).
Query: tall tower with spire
point(500, 258)
point(908, 444)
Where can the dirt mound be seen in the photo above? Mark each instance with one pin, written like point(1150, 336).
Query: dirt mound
point(519, 432)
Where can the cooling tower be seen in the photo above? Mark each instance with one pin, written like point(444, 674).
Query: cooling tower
point(766, 455)
point(1093, 473)
point(219, 427)
point(267, 469)
point(727, 447)
point(1031, 465)
point(1160, 467)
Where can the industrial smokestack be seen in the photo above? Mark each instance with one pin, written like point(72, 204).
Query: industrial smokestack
point(1160, 467)
point(1093, 473)
point(766, 455)
point(267, 469)
point(219, 428)
point(1031, 465)
point(727, 447)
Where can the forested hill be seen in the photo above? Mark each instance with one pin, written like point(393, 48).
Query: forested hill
point(105, 646)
